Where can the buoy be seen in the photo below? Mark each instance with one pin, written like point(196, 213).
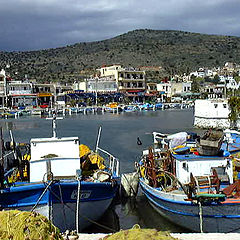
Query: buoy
point(139, 142)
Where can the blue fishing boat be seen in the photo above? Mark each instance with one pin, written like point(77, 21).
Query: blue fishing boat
point(200, 192)
point(58, 178)
point(130, 108)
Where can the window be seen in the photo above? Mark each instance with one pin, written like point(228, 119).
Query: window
point(224, 105)
point(215, 105)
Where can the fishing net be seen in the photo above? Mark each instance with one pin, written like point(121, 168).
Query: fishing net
point(97, 159)
point(140, 234)
point(84, 150)
point(19, 225)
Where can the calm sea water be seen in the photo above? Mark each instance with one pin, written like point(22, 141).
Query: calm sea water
point(119, 136)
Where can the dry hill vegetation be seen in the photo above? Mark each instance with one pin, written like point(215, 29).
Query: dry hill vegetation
point(176, 51)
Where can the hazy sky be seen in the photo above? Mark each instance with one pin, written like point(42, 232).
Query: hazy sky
point(41, 24)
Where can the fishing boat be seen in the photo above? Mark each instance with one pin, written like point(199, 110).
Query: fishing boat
point(130, 108)
point(200, 192)
point(59, 178)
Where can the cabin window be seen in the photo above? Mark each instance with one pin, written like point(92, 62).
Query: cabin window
point(215, 105)
point(185, 166)
point(224, 105)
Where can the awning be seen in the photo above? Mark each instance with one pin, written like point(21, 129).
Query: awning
point(44, 94)
point(131, 95)
point(134, 91)
point(24, 95)
point(150, 94)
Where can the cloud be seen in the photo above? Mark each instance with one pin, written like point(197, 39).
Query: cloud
point(30, 25)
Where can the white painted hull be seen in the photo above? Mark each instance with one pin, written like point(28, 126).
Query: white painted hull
point(216, 217)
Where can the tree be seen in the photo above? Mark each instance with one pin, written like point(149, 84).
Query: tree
point(216, 79)
point(234, 104)
point(196, 84)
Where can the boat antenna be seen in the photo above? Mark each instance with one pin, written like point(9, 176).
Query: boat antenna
point(54, 124)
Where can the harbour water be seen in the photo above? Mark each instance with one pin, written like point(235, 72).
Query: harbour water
point(119, 136)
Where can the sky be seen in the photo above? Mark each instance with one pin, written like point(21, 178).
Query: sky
point(41, 24)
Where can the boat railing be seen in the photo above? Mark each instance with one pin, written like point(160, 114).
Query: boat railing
point(113, 161)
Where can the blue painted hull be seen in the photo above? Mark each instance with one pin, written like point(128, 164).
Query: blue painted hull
point(222, 217)
point(59, 201)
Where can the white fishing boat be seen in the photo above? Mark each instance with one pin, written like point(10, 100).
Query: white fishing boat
point(56, 182)
point(198, 192)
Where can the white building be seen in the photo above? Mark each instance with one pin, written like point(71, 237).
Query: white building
point(204, 72)
point(116, 79)
point(165, 87)
point(3, 88)
point(174, 88)
point(212, 114)
point(214, 91)
point(229, 81)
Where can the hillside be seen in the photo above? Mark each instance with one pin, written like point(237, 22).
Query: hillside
point(175, 51)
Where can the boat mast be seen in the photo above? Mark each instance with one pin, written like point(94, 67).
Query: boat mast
point(54, 124)
point(98, 138)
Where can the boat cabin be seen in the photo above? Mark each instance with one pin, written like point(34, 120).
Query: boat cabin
point(201, 166)
point(58, 157)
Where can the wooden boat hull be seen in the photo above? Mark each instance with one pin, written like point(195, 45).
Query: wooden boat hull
point(59, 201)
point(217, 217)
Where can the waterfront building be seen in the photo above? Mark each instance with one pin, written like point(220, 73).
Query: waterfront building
point(21, 94)
point(3, 88)
point(151, 87)
point(100, 84)
point(128, 80)
point(172, 88)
